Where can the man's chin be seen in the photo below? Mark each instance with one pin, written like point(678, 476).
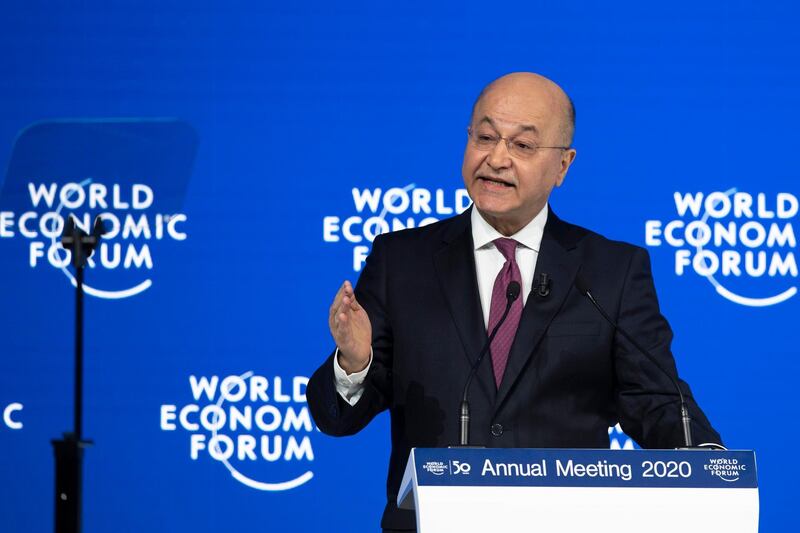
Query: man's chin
point(494, 209)
point(494, 215)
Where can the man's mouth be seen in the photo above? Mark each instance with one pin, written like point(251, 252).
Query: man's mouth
point(495, 181)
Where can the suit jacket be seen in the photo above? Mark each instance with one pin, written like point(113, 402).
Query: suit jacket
point(569, 376)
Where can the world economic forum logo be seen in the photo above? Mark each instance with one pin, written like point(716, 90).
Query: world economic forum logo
point(743, 243)
point(377, 211)
point(259, 428)
point(130, 222)
point(132, 174)
point(728, 470)
point(437, 468)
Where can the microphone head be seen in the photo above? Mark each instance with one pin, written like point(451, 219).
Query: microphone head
point(99, 228)
point(512, 291)
point(69, 226)
point(581, 284)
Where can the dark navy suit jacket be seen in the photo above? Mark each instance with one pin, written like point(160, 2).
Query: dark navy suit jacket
point(569, 376)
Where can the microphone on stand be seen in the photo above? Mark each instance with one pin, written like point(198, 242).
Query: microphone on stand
point(686, 420)
point(512, 293)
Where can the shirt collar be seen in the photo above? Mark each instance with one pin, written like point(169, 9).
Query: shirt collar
point(530, 236)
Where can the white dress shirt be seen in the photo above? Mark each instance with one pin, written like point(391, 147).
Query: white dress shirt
point(488, 263)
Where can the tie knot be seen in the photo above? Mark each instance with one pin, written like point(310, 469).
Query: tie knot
point(507, 247)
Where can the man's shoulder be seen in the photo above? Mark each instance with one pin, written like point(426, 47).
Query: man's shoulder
point(581, 236)
point(429, 235)
point(591, 245)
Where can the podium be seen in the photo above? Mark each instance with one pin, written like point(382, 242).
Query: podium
point(578, 490)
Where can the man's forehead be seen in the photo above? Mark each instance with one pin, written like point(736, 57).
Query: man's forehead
point(511, 125)
point(537, 109)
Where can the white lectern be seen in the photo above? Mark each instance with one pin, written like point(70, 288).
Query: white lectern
point(614, 491)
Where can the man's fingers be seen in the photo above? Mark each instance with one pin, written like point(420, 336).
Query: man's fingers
point(341, 333)
point(341, 315)
point(351, 302)
point(341, 312)
point(337, 300)
point(355, 305)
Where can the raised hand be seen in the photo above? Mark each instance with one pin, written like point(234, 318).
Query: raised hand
point(351, 330)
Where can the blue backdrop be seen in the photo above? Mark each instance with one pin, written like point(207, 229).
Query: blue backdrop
point(248, 152)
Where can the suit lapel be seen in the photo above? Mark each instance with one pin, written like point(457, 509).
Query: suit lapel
point(555, 260)
point(455, 268)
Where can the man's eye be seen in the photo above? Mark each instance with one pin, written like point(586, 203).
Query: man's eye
point(484, 138)
point(525, 146)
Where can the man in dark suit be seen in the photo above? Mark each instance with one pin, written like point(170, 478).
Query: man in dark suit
point(558, 375)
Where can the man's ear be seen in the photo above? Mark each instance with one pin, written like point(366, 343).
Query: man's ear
point(567, 157)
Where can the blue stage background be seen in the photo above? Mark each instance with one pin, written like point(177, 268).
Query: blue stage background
point(289, 113)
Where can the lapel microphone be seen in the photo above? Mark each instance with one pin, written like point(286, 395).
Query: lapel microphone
point(512, 293)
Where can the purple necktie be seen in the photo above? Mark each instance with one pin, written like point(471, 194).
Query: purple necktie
point(501, 344)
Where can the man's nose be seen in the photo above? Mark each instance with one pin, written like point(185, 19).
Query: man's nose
point(499, 157)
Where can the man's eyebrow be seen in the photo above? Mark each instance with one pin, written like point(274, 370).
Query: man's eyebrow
point(521, 128)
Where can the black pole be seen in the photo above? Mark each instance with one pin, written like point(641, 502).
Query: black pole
point(78, 405)
point(69, 450)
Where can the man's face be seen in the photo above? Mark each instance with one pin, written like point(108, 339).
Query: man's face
point(508, 190)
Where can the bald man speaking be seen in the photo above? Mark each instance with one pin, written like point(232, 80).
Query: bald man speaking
point(557, 375)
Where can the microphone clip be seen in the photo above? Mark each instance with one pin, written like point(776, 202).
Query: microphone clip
point(542, 286)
